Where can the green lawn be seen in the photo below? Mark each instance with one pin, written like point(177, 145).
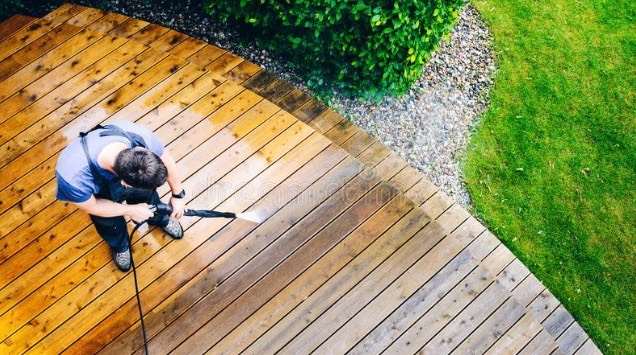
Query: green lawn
point(552, 167)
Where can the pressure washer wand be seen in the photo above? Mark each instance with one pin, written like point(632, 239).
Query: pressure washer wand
point(166, 209)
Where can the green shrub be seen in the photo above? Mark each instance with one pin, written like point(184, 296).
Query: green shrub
point(9, 8)
point(365, 48)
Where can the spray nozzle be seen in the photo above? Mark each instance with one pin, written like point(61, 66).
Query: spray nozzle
point(252, 216)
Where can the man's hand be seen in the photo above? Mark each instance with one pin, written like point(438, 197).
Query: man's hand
point(178, 206)
point(106, 208)
point(139, 212)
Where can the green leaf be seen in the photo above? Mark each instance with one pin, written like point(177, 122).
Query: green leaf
point(381, 39)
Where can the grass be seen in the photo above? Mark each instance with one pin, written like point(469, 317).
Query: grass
point(552, 167)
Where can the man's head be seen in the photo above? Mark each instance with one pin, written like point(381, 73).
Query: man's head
point(141, 168)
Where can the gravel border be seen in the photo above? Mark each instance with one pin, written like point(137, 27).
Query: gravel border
point(429, 126)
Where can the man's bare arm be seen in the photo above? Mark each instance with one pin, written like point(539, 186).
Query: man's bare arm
point(174, 180)
point(107, 208)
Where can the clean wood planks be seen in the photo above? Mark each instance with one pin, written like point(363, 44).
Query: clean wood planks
point(70, 55)
point(35, 49)
point(36, 29)
point(42, 250)
point(43, 316)
point(108, 99)
point(58, 261)
point(60, 339)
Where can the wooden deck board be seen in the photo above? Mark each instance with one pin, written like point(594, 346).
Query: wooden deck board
point(34, 150)
point(86, 17)
point(305, 226)
point(172, 86)
point(127, 28)
point(317, 274)
point(107, 23)
point(557, 322)
point(36, 29)
point(80, 71)
point(159, 265)
point(588, 348)
point(46, 168)
point(492, 328)
point(34, 113)
point(358, 253)
point(320, 329)
point(168, 41)
point(392, 297)
point(91, 314)
point(414, 306)
point(572, 339)
point(188, 47)
point(398, 238)
point(35, 49)
point(206, 55)
point(277, 204)
point(60, 55)
point(429, 293)
point(243, 72)
point(424, 332)
point(301, 257)
point(540, 344)
point(14, 24)
point(149, 34)
point(36, 273)
point(528, 289)
point(516, 337)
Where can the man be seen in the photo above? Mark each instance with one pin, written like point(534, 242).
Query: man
point(119, 162)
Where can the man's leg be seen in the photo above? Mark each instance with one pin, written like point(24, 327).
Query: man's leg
point(114, 232)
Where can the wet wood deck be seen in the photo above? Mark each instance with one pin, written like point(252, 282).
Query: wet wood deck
point(358, 252)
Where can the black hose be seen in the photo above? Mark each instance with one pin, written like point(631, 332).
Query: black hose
point(132, 262)
point(165, 209)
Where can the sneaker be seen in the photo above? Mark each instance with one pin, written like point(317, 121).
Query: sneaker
point(174, 229)
point(122, 259)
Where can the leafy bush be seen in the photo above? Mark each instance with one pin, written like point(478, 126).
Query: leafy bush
point(9, 8)
point(366, 48)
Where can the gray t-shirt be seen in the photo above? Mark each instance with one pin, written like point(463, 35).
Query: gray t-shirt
point(75, 182)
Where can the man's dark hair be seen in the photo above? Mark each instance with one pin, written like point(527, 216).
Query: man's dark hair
point(140, 168)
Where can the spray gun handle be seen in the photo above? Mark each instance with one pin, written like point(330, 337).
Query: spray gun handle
point(161, 209)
